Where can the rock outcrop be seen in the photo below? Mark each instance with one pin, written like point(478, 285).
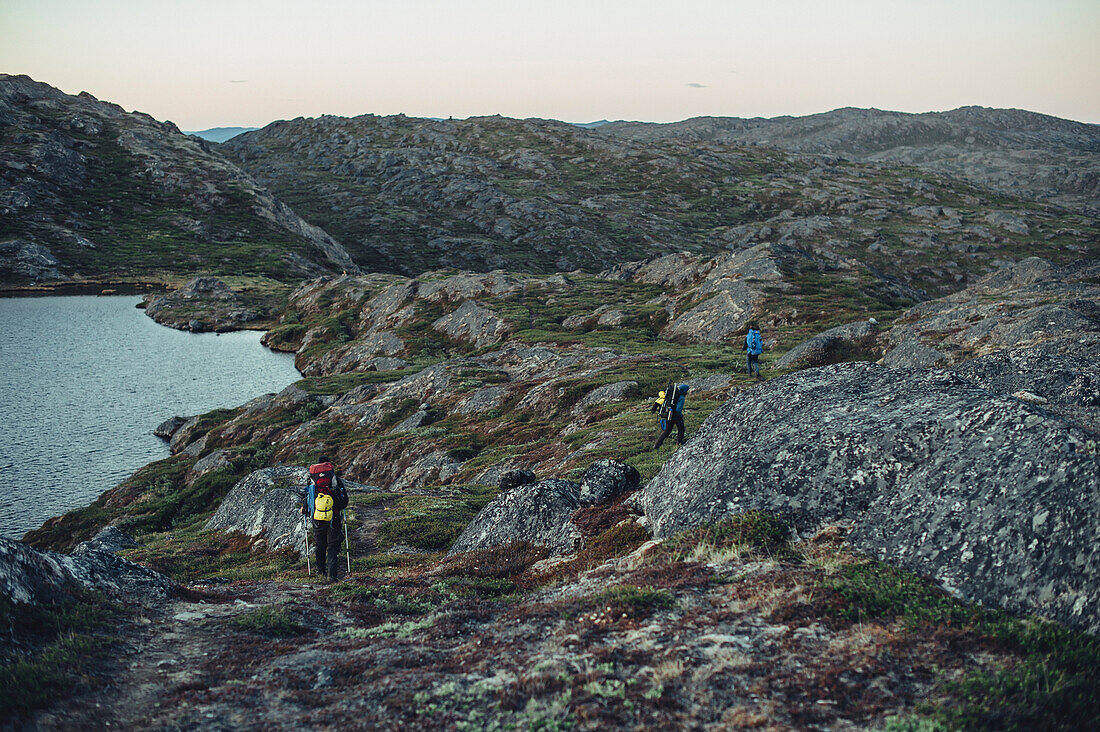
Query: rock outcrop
point(1019, 306)
point(831, 345)
point(606, 480)
point(995, 497)
point(203, 304)
point(473, 322)
point(539, 511)
point(32, 577)
point(535, 512)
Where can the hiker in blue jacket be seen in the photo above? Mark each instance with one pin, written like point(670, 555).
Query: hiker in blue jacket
point(754, 346)
point(671, 409)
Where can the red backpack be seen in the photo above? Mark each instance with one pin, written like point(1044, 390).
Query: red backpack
point(322, 474)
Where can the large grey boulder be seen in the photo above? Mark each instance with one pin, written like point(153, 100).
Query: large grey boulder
point(995, 497)
point(912, 354)
point(829, 346)
point(606, 480)
point(27, 260)
point(536, 512)
point(616, 392)
point(266, 502)
point(31, 577)
point(168, 427)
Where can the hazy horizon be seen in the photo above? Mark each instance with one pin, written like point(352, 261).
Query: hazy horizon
point(205, 64)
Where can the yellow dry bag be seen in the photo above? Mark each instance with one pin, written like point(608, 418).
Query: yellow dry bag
point(322, 507)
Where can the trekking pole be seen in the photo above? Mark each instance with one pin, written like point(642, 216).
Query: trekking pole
point(305, 526)
point(347, 541)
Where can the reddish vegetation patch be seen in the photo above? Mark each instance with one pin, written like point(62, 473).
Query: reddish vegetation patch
point(505, 561)
point(672, 576)
point(617, 541)
point(594, 520)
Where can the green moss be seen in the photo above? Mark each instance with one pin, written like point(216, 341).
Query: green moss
point(341, 383)
point(190, 552)
point(633, 598)
point(432, 523)
point(756, 531)
point(270, 620)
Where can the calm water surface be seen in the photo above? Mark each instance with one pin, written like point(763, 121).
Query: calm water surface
point(83, 383)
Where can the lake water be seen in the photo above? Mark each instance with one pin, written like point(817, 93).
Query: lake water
point(83, 383)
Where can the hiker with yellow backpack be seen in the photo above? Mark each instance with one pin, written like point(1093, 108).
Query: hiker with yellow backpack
point(325, 499)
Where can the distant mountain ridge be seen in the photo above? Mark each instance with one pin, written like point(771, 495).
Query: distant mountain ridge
point(408, 195)
point(88, 190)
point(1011, 150)
point(221, 134)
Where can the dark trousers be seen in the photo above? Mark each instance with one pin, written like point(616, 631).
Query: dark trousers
point(327, 536)
point(677, 421)
point(753, 363)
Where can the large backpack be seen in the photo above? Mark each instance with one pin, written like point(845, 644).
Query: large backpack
point(328, 497)
point(666, 407)
point(754, 344)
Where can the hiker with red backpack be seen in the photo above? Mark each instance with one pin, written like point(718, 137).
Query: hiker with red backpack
point(325, 499)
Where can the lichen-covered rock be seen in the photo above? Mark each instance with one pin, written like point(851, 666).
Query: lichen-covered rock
point(266, 503)
point(27, 260)
point(617, 392)
point(433, 468)
point(31, 577)
point(1066, 383)
point(713, 382)
point(828, 346)
point(718, 317)
point(1023, 305)
point(216, 460)
point(468, 285)
point(422, 417)
point(475, 323)
point(912, 354)
point(534, 512)
point(996, 498)
point(110, 539)
point(605, 480)
point(483, 400)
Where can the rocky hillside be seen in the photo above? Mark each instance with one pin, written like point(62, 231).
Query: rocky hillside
point(407, 195)
point(89, 191)
point(1011, 150)
point(522, 557)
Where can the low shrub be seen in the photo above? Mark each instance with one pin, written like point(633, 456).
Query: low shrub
point(270, 620)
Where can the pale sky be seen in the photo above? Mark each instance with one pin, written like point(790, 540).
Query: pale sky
point(210, 63)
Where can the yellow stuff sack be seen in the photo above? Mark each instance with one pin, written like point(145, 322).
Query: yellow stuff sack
point(322, 507)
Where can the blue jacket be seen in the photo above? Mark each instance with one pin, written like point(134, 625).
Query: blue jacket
point(754, 344)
